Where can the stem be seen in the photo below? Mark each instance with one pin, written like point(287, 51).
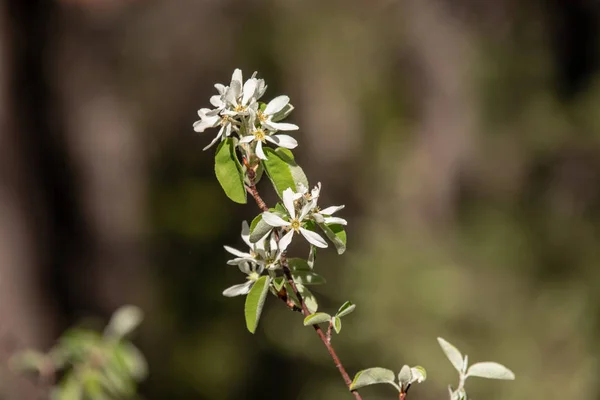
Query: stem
point(288, 275)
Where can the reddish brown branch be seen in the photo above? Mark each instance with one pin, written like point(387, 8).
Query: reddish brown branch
point(288, 275)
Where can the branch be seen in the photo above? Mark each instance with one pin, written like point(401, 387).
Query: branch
point(288, 274)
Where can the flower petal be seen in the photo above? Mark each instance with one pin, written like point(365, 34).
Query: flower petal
point(331, 210)
point(247, 139)
point(237, 76)
point(276, 105)
point(313, 238)
point(285, 241)
point(288, 202)
point(213, 141)
point(238, 290)
point(335, 220)
point(246, 233)
point(283, 141)
point(236, 252)
point(280, 126)
point(249, 89)
point(274, 220)
point(259, 151)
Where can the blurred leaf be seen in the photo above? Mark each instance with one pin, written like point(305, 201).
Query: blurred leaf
point(68, 389)
point(336, 234)
point(345, 309)
point(124, 321)
point(298, 174)
point(28, 360)
point(405, 376)
point(131, 358)
point(452, 353)
point(278, 171)
point(258, 229)
point(317, 318)
point(298, 264)
point(77, 343)
point(490, 370)
point(92, 384)
point(372, 376)
point(307, 278)
point(337, 324)
point(255, 301)
point(228, 171)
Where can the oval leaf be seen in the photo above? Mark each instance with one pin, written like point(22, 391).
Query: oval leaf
point(308, 278)
point(317, 318)
point(336, 234)
point(337, 324)
point(373, 376)
point(278, 171)
point(258, 229)
point(278, 283)
point(452, 353)
point(309, 299)
point(405, 376)
point(418, 374)
point(490, 370)
point(229, 172)
point(298, 264)
point(255, 301)
point(298, 174)
point(345, 309)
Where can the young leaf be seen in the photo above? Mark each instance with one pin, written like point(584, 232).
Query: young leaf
point(490, 370)
point(345, 309)
point(278, 283)
point(307, 278)
point(228, 171)
point(298, 264)
point(124, 321)
point(452, 353)
point(258, 229)
point(405, 376)
point(418, 374)
point(309, 299)
point(336, 234)
point(317, 318)
point(337, 324)
point(297, 172)
point(255, 301)
point(278, 171)
point(372, 376)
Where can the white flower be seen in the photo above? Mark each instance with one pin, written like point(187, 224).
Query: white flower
point(253, 271)
point(240, 97)
point(323, 216)
point(211, 119)
point(260, 136)
point(264, 252)
point(276, 110)
point(293, 222)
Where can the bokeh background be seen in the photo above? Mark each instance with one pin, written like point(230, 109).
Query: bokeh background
point(462, 135)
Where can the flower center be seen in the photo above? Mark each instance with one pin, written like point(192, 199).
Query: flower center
point(253, 276)
point(259, 135)
point(295, 225)
point(240, 108)
point(261, 116)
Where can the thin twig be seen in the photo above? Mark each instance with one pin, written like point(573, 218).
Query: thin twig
point(288, 275)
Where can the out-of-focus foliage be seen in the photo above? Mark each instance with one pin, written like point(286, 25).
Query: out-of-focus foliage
point(85, 364)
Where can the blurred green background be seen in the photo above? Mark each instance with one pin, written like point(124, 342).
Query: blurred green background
point(462, 135)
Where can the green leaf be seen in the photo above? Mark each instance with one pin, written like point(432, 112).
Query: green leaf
point(229, 171)
point(278, 283)
point(132, 360)
point(345, 309)
point(337, 324)
point(317, 318)
point(69, 389)
point(297, 173)
point(279, 171)
point(298, 264)
point(418, 374)
point(28, 360)
point(309, 299)
point(124, 321)
point(372, 376)
point(255, 301)
point(307, 278)
point(258, 229)
point(452, 353)
point(336, 234)
point(92, 384)
point(490, 370)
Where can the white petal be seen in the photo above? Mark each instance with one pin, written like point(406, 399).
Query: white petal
point(274, 220)
point(239, 260)
point(280, 126)
point(288, 202)
point(237, 76)
point(259, 151)
point(285, 241)
point(245, 268)
point(276, 105)
point(247, 139)
point(246, 233)
point(238, 290)
point(316, 191)
point(305, 210)
point(313, 238)
point(283, 141)
point(331, 210)
point(249, 89)
point(233, 93)
point(236, 252)
point(213, 142)
point(335, 220)
point(216, 100)
point(220, 88)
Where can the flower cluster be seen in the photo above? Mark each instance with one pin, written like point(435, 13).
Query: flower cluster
point(238, 112)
